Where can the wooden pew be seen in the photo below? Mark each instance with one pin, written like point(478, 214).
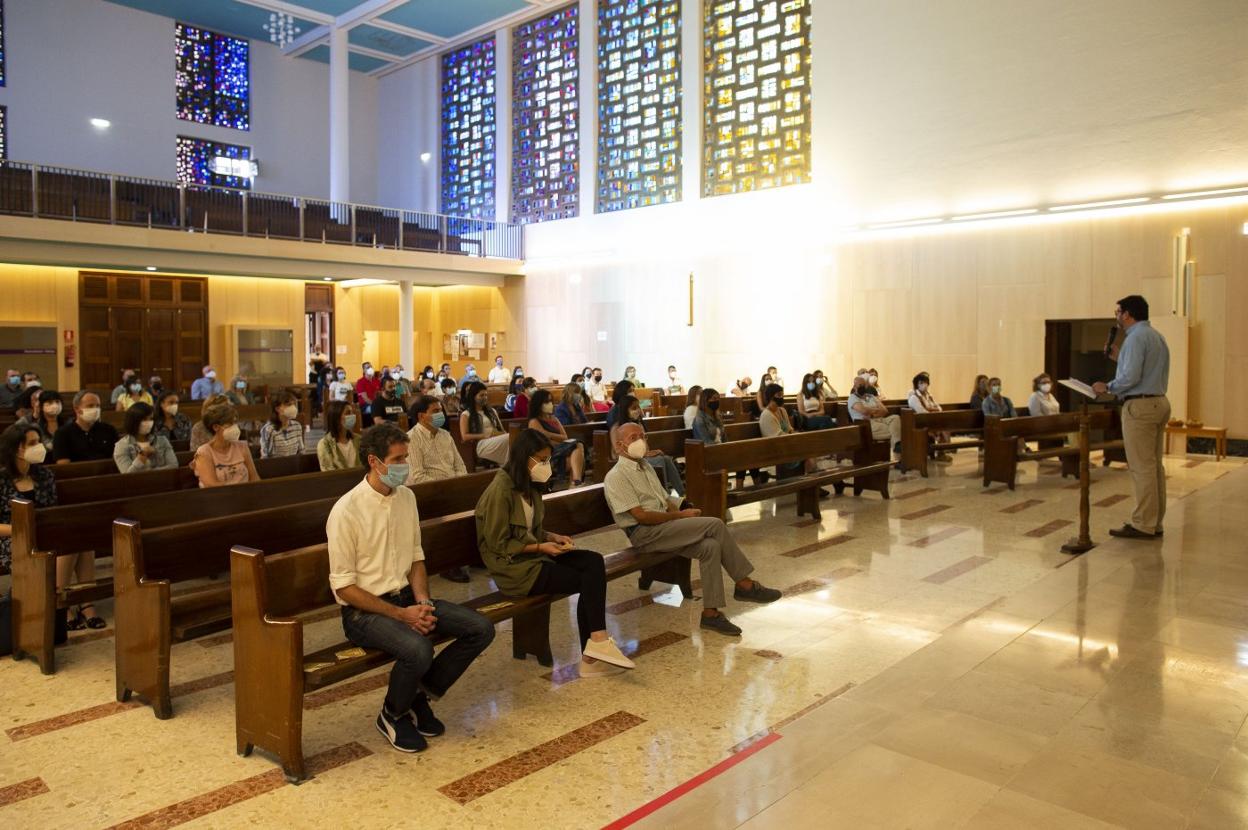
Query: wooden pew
point(918, 431)
point(41, 535)
point(148, 561)
point(707, 468)
point(272, 673)
point(94, 488)
point(1004, 442)
point(670, 441)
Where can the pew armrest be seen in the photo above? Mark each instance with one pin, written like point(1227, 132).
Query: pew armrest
point(34, 590)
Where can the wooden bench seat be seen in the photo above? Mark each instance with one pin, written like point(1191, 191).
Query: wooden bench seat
point(670, 441)
point(148, 561)
point(919, 430)
point(707, 467)
point(271, 671)
point(1005, 442)
point(182, 477)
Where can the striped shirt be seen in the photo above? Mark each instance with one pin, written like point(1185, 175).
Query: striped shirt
point(277, 442)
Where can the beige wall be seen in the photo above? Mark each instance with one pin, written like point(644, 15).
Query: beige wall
point(47, 296)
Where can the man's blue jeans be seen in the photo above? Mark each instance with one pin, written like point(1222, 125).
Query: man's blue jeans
point(414, 663)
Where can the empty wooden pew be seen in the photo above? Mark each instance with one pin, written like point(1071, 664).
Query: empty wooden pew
point(919, 431)
point(1005, 442)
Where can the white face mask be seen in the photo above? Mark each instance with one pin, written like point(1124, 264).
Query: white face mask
point(1046, 387)
point(369, 372)
point(290, 411)
point(172, 409)
point(672, 374)
point(638, 448)
point(873, 379)
point(231, 432)
point(541, 472)
point(145, 427)
point(52, 409)
point(548, 408)
point(211, 375)
point(91, 414)
point(35, 454)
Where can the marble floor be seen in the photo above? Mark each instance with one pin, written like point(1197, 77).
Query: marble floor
point(937, 661)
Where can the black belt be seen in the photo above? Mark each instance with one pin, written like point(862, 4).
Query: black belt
point(1133, 397)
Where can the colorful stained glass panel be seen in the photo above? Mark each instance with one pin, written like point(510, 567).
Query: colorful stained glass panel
point(468, 130)
point(195, 157)
point(212, 78)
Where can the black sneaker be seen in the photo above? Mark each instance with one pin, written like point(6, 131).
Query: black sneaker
point(757, 593)
point(401, 732)
point(721, 624)
point(426, 723)
point(459, 575)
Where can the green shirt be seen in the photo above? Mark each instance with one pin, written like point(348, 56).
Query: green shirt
point(503, 532)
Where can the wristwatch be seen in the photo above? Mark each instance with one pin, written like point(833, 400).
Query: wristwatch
point(428, 602)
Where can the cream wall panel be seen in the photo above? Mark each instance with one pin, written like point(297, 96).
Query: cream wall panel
point(944, 321)
point(250, 301)
point(48, 296)
point(1011, 338)
point(1068, 276)
point(1207, 380)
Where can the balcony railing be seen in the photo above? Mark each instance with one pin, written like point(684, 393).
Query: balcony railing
point(48, 192)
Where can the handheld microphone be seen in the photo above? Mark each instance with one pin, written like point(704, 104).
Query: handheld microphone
point(1109, 338)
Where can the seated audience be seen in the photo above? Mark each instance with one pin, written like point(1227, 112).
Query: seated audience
point(377, 573)
point(567, 454)
point(675, 386)
point(388, 406)
point(282, 434)
point(500, 373)
point(207, 386)
point(810, 405)
point(47, 416)
point(823, 386)
point(480, 423)
point(200, 434)
point(86, 438)
point(597, 391)
point(239, 394)
point(367, 387)
point(11, 389)
point(691, 405)
point(921, 400)
point(452, 405)
point(996, 403)
point(138, 449)
point(760, 397)
point(433, 456)
point(979, 392)
point(339, 449)
point(622, 390)
point(774, 420)
point(654, 523)
point(169, 422)
point(865, 403)
point(571, 410)
point(520, 406)
point(470, 376)
point(873, 380)
point(340, 390)
point(1042, 401)
point(156, 386)
point(775, 376)
point(224, 459)
point(709, 429)
point(630, 375)
point(23, 474)
point(402, 384)
point(629, 411)
point(527, 560)
point(128, 376)
point(740, 388)
point(135, 393)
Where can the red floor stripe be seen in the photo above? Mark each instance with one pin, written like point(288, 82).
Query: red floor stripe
point(692, 784)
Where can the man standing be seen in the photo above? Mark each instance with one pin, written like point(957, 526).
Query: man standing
point(205, 387)
point(499, 373)
point(1140, 383)
point(366, 390)
point(377, 573)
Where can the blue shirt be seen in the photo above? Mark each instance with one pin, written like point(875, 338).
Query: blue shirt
point(204, 388)
point(1143, 363)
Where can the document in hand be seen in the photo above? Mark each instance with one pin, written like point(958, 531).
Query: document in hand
point(1080, 387)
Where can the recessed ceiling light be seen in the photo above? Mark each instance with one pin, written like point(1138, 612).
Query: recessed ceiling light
point(425, 157)
point(101, 123)
point(151, 267)
point(327, 279)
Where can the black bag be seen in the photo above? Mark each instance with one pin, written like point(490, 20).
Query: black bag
point(6, 623)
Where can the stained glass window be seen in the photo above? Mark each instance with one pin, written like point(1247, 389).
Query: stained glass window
point(3, 73)
point(468, 130)
point(195, 165)
point(545, 114)
point(756, 95)
point(212, 78)
point(4, 132)
point(638, 103)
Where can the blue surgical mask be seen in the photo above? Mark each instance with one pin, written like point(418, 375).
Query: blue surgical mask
point(348, 421)
point(439, 420)
point(16, 380)
point(395, 475)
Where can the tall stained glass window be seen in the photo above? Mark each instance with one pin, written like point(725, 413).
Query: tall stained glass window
point(195, 165)
point(756, 95)
point(212, 79)
point(468, 130)
point(545, 109)
point(638, 103)
point(3, 73)
point(4, 132)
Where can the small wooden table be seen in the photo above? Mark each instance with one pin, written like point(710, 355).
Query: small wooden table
point(1218, 434)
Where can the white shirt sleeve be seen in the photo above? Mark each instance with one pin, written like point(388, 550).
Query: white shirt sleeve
point(343, 547)
point(915, 402)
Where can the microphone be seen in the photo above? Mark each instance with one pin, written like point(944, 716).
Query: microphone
point(1109, 339)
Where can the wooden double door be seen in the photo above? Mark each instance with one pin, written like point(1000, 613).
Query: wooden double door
point(158, 325)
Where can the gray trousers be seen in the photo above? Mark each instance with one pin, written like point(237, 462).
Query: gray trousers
point(702, 538)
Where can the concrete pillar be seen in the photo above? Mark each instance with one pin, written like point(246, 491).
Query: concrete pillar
point(502, 125)
point(691, 101)
point(587, 71)
point(407, 354)
point(339, 117)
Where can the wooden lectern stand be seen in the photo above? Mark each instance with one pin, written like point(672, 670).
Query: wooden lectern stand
point(1083, 542)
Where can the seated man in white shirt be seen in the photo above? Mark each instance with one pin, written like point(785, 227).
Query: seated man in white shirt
point(864, 402)
point(740, 388)
point(654, 522)
point(500, 373)
point(432, 455)
point(377, 573)
point(597, 391)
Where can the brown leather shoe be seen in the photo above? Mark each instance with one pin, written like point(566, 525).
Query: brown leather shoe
point(1130, 532)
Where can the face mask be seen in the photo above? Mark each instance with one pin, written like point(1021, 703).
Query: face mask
point(290, 411)
point(231, 433)
point(34, 384)
point(145, 427)
point(672, 374)
point(52, 409)
point(135, 388)
point(472, 371)
point(630, 374)
point(91, 415)
point(481, 402)
point(1045, 387)
point(16, 380)
point(342, 376)
point(597, 378)
point(871, 379)
point(172, 409)
point(35, 454)
point(157, 386)
point(395, 475)
point(713, 406)
point(212, 375)
point(397, 373)
point(499, 363)
point(390, 392)
point(810, 387)
point(429, 375)
point(638, 448)
point(996, 390)
point(518, 373)
point(242, 384)
point(548, 408)
point(541, 472)
point(369, 372)
point(439, 420)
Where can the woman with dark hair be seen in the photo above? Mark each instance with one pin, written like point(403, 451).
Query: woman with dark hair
point(522, 406)
point(282, 434)
point(138, 450)
point(22, 475)
point(479, 422)
point(810, 405)
point(630, 412)
point(224, 459)
point(567, 453)
point(922, 400)
point(527, 560)
point(773, 421)
point(622, 390)
point(451, 403)
point(514, 390)
point(979, 392)
point(340, 448)
point(709, 429)
point(571, 410)
point(169, 422)
point(47, 415)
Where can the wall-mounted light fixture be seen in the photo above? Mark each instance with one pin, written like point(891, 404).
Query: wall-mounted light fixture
point(101, 123)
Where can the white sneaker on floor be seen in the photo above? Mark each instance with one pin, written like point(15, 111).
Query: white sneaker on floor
point(598, 669)
point(608, 652)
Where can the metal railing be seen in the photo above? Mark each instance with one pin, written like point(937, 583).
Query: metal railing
point(48, 192)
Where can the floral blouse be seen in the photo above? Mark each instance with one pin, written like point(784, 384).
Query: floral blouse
point(43, 495)
point(181, 428)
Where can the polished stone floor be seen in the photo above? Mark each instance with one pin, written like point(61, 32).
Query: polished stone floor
point(936, 662)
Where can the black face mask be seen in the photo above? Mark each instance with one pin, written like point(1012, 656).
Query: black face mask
point(597, 378)
point(713, 406)
point(870, 390)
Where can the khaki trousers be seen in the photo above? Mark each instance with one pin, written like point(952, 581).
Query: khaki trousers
point(888, 427)
point(1143, 436)
point(705, 539)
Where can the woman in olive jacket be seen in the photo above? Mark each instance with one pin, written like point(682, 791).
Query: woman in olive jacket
point(526, 560)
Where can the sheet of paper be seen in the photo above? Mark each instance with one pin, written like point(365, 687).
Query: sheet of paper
point(1080, 387)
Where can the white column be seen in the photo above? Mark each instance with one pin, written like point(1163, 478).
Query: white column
point(502, 125)
point(691, 101)
point(587, 69)
point(339, 117)
point(407, 354)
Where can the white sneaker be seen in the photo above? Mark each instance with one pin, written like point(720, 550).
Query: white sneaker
point(608, 652)
point(598, 669)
